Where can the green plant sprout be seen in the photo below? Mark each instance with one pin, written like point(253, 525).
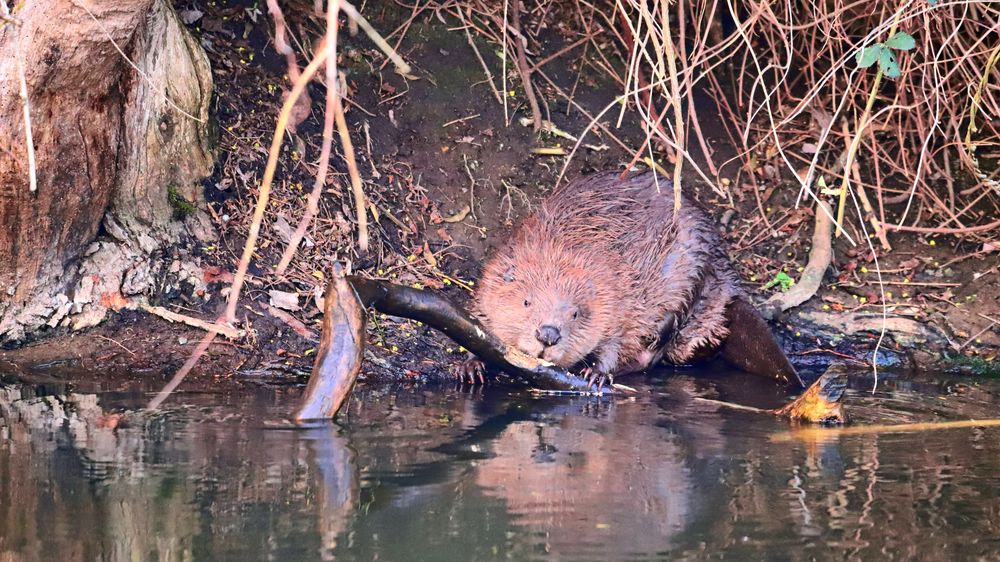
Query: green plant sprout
point(782, 279)
point(882, 53)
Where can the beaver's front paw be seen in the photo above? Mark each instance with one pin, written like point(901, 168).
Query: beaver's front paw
point(471, 371)
point(597, 378)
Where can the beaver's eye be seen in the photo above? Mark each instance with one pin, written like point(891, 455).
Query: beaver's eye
point(527, 302)
point(576, 314)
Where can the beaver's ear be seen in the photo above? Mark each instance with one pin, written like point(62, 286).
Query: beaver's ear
point(508, 275)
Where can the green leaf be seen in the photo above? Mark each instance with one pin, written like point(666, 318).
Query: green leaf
point(888, 65)
point(867, 56)
point(901, 41)
point(782, 279)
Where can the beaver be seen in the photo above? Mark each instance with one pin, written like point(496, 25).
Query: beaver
point(604, 277)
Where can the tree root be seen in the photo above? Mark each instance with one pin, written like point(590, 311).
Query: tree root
point(820, 257)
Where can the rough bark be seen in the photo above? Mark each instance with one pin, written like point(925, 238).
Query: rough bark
point(110, 150)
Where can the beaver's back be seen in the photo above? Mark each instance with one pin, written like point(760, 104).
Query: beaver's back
point(679, 272)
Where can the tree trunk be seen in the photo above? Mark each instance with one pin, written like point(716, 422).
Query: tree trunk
point(110, 150)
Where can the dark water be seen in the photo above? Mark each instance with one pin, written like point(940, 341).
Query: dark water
point(432, 473)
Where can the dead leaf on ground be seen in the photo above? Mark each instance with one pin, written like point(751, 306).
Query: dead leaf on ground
point(429, 255)
point(283, 229)
point(443, 235)
point(300, 111)
point(214, 273)
point(459, 216)
point(114, 301)
point(284, 300)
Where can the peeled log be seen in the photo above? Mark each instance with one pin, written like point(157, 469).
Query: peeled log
point(108, 148)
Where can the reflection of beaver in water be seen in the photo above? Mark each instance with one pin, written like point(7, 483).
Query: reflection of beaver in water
point(603, 278)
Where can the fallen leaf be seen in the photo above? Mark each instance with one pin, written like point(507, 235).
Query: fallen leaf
point(459, 216)
point(822, 117)
point(283, 229)
point(114, 301)
point(214, 273)
point(300, 111)
point(429, 255)
point(443, 235)
point(284, 300)
point(109, 421)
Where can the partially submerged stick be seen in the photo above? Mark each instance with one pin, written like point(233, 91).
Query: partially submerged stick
point(820, 403)
point(341, 351)
point(817, 433)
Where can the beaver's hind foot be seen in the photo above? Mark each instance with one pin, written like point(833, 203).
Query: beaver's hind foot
point(471, 371)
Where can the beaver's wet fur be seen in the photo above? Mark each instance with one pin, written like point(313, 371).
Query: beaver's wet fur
point(603, 277)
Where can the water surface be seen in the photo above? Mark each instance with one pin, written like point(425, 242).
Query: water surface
point(443, 473)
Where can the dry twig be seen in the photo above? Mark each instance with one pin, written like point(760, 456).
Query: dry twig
point(22, 92)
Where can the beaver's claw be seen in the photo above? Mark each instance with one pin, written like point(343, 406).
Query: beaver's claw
point(471, 371)
point(593, 376)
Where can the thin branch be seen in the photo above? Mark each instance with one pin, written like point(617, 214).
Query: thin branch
point(332, 92)
point(479, 57)
point(228, 331)
point(352, 168)
point(522, 66)
point(22, 92)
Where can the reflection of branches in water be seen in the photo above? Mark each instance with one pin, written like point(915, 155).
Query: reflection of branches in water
point(680, 475)
point(156, 482)
point(338, 485)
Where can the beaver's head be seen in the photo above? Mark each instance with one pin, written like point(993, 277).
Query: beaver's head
point(548, 302)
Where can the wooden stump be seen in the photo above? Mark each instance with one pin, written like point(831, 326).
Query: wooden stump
point(110, 149)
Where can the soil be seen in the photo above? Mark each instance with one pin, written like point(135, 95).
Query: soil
point(448, 172)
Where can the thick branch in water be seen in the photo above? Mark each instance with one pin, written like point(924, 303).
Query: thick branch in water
point(341, 351)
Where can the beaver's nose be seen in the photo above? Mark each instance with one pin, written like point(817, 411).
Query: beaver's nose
point(548, 335)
